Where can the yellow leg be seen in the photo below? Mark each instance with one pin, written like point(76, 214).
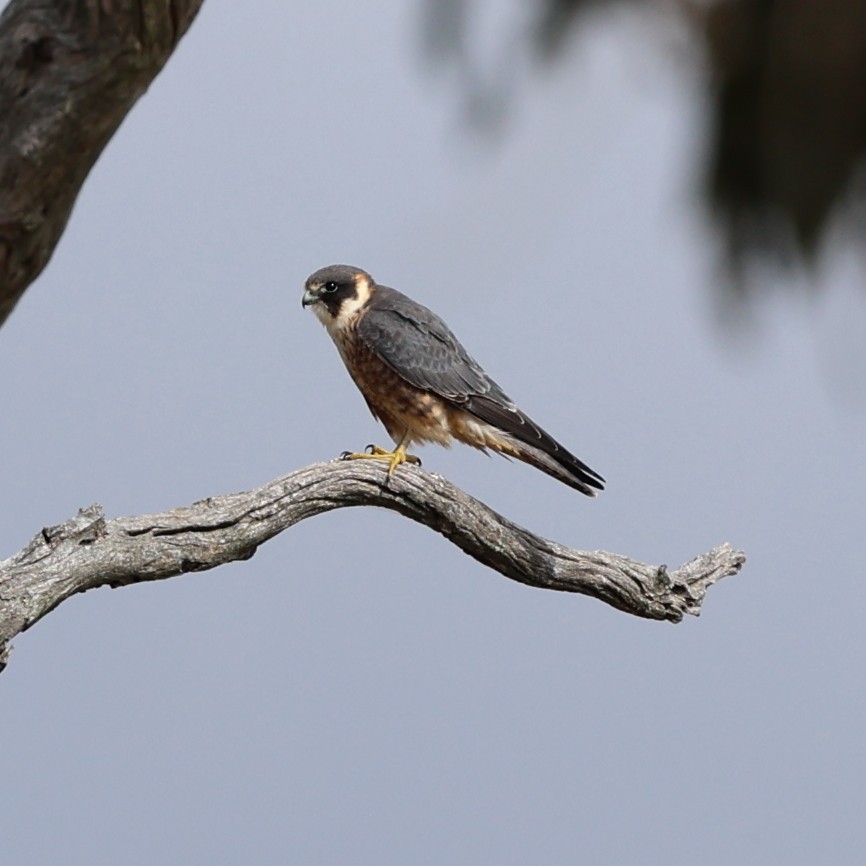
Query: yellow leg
point(394, 458)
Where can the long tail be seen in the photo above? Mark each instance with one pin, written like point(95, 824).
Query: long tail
point(531, 444)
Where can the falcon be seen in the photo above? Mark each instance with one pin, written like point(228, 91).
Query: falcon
point(421, 383)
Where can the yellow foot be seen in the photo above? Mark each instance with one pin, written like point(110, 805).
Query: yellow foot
point(374, 452)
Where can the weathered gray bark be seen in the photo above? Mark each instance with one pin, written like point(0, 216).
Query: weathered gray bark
point(89, 551)
point(70, 70)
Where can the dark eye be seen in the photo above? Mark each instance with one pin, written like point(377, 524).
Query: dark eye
point(330, 287)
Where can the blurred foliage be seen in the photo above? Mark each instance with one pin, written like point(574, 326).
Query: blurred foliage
point(785, 84)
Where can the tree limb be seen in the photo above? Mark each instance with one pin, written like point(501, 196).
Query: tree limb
point(70, 71)
point(89, 551)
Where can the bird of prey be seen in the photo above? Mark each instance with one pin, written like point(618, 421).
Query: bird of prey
point(421, 383)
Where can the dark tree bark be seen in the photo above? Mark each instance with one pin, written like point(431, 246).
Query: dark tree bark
point(89, 551)
point(70, 70)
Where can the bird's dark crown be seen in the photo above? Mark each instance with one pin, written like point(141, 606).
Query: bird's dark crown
point(339, 275)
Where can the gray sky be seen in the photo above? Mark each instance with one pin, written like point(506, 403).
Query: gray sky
point(360, 691)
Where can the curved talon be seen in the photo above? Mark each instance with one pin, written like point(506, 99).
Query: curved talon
point(378, 451)
point(345, 455)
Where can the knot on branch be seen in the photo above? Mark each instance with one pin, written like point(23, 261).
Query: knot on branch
point(85, 528)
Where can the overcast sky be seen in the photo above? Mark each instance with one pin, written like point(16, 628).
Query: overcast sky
point(360, 692)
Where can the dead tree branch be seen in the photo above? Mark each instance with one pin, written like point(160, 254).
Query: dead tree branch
point(89, 551)
point(70, 71)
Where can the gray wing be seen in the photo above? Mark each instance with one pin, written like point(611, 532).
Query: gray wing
point(420, 347)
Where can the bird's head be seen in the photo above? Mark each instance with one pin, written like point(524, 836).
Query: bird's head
point(336, 293)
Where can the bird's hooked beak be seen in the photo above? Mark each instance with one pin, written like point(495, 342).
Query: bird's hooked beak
point(308, 298)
